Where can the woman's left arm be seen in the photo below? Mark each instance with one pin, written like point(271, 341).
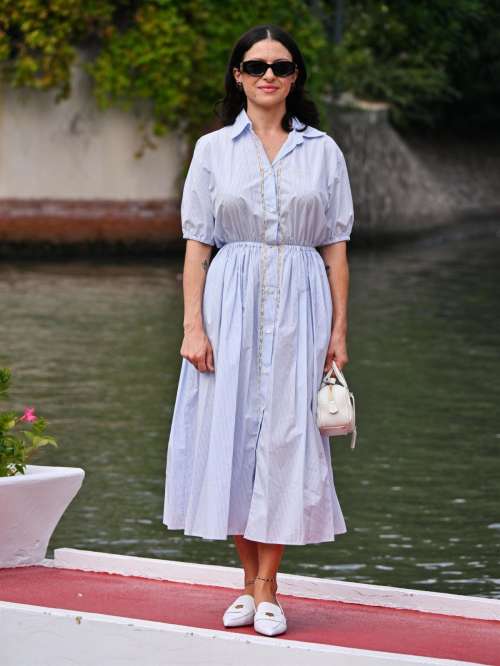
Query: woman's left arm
point(337, 271)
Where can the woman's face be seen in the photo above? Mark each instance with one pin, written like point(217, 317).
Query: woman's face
point(268, 89)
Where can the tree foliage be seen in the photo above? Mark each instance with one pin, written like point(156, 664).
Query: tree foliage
point(423, 58)
point(170, 52)
point(38, 39)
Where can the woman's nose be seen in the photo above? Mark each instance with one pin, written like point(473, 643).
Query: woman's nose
point(268, 73)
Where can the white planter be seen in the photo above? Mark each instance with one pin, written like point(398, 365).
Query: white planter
point(31, 505)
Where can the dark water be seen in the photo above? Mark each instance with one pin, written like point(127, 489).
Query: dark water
point(95, 349)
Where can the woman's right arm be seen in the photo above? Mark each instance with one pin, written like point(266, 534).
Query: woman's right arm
point(196, 347)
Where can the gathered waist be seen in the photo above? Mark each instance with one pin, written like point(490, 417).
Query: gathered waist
point(270, 246)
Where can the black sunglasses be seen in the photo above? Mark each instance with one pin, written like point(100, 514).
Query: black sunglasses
point(259, 68)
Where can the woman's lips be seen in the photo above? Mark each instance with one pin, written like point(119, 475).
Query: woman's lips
point(268, 89)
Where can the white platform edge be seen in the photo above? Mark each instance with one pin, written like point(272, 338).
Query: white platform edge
point(58, 635)
point(298, 586)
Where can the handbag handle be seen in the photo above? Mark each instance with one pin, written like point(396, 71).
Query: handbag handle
point(338, 373)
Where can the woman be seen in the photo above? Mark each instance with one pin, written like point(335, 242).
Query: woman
point(261, 324)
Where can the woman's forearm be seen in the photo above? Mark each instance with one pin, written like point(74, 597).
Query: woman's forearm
point(337, 271)
point(196, 264)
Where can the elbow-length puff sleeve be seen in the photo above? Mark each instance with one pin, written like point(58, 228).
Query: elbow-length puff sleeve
point(340, 210)
point(196, 206)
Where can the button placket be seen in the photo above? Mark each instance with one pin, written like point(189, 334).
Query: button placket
point(269, 297)
point(269, 314)
point(280, 249)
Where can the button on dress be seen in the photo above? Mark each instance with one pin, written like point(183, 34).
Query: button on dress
point(245, 455)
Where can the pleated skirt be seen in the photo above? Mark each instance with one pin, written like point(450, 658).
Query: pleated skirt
point(244, 454)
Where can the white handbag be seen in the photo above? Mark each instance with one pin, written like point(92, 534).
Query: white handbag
point(335, 415)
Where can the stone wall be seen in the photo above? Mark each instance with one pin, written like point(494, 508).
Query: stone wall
point(409, 184)
point(73, 151)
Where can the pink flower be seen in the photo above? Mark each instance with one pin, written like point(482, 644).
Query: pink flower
point(29, 415)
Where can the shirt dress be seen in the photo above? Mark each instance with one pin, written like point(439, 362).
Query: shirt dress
point(245, 455)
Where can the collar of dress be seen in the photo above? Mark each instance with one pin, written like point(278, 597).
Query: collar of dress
point(243, 121)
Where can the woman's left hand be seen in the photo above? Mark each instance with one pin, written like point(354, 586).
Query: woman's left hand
point(337, 351)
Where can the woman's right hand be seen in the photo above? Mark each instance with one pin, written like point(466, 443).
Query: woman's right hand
point(196, 348)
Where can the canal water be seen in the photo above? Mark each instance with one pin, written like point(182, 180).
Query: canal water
point(94, 347)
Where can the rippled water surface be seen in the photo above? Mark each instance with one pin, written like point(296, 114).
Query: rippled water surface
point(95, 349)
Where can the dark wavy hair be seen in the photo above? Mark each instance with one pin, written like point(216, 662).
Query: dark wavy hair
point(297, 103)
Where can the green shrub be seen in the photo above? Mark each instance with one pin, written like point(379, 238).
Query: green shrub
point(15, 452)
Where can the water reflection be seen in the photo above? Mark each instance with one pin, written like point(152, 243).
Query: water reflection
point(96, 349)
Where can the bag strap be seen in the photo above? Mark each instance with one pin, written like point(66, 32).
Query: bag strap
point(338, 373)
point(354, 431)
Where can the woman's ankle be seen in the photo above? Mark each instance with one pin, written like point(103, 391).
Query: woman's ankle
point(265, 590)
point(249, 585)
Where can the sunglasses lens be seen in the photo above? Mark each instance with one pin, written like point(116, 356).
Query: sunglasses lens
point(255, 68)
point(284, 68)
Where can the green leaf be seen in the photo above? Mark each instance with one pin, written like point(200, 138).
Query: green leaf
point(39, 425)
point(45, 440)
point(50, 440)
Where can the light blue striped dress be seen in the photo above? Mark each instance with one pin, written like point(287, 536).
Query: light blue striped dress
point(245, 455)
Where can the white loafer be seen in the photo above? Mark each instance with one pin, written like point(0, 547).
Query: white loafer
point(240, 613)
point(269, 619)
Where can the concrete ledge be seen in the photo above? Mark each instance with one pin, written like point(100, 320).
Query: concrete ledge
point(75, 221)
point(297, 586)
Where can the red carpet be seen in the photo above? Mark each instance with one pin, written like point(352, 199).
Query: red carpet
point(329, 622)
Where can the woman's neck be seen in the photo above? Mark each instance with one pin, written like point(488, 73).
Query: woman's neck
point(266, 121)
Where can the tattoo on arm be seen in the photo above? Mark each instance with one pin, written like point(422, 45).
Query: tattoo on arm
point(328, 271)
point(205, 265)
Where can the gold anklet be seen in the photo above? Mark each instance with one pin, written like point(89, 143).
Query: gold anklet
point(271, 580)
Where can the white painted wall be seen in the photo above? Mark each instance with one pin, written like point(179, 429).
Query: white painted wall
point(72, 150)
